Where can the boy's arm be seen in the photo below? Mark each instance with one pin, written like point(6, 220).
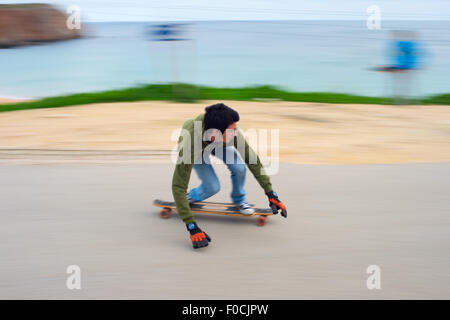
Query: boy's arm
point(253, 162)
point(180, 182)
point(182, 175)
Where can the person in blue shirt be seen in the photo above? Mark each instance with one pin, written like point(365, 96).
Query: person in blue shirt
point(404, 51)
point(405, 55)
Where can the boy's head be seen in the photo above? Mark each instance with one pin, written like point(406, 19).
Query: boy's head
point(220, 120)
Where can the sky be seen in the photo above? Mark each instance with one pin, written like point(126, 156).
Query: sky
point(181, 10)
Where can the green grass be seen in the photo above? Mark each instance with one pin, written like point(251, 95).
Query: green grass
point(191, 93)
point(442, 99)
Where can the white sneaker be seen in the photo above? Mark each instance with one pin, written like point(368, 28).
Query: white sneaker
point(245, 208)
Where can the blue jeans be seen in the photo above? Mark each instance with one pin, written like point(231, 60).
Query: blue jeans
point(210, 183)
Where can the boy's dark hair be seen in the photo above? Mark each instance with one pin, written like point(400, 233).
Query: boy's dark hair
point(219, 116)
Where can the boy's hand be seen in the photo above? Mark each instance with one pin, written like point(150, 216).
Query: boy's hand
point(199, 238)
point(276, 204)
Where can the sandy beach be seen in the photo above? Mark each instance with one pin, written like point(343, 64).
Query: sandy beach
point(309, 133)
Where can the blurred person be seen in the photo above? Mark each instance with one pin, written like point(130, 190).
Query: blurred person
point(217, 126)
point(405, 56)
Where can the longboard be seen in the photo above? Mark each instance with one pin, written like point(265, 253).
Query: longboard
point(220, 208)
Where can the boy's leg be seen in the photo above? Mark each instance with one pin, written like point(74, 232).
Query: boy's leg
point(238, 171)
point(210, 183)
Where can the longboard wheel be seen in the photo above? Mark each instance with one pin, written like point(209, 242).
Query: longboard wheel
point(261, 221)
point(165, 213)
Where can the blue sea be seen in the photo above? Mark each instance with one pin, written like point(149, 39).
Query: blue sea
point(325, 56)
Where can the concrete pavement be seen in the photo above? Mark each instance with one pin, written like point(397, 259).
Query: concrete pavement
point(342, 218)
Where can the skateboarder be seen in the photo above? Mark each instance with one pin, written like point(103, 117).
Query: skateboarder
point(215, 132)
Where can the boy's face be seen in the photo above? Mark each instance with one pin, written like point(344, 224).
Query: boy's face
point(227, 136)
point(230, 133)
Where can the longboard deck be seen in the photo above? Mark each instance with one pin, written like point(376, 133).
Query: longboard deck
point(215, 208)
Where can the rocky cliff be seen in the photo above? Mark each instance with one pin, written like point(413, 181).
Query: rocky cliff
point(26, 24)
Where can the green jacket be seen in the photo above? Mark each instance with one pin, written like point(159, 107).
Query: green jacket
point(183, 168)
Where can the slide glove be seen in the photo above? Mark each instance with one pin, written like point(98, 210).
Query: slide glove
point(199, 238)
point(276, 204)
